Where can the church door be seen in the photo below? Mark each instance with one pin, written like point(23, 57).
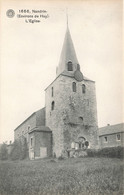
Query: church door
point(43, 152)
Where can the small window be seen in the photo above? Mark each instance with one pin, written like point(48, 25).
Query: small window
point(118, 137)
point(105, 139)
point(81, 118)
point(83, 88)
point(74, 87)
point(29, 127)
point(52, 91)
point(31, 141)
point(53, 105)
point(70, 66)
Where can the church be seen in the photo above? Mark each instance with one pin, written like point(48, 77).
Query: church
point(68, 122)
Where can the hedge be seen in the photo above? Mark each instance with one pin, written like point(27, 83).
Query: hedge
point(112, 152)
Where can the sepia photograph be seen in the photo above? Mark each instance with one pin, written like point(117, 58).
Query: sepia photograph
point(61, 103)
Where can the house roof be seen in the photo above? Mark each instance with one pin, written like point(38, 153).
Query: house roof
point(111, 129)
point(40, 129)
point(42, 111)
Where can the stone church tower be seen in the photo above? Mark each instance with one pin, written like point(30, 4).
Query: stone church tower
point(71, 111)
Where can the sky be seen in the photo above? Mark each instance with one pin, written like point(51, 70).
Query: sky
point(30, 53)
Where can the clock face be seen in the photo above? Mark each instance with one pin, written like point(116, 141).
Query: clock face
point(78, 75)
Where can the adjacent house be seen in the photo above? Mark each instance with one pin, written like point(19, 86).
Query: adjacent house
point(111, 135)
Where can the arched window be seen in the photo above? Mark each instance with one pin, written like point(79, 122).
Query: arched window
point(83, 88)
point(52, 91)
point(31, 141)
point(74, 87)
point(81, 139)
point(53, 105)
point(70, 66)
point(80, 119)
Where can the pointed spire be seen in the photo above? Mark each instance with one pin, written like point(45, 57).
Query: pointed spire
point(68, 53)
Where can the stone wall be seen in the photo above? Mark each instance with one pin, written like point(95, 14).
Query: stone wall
point(40, 139)
point(43, 139)
point(74, 115)
point(36, 119)
point(25, 127)
point(111, 140)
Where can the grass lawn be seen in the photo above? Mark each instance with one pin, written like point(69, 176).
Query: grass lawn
point(81, 176)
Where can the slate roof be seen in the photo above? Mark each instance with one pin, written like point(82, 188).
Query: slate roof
point(68, 53)
point(41, 129)
point(111, 129)
point(40, 117)
point(39, 113)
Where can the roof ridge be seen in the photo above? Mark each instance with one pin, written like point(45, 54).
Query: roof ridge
point(111, 125)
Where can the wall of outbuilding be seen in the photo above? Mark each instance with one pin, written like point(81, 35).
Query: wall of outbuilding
point(111, 140)
point(40, 139)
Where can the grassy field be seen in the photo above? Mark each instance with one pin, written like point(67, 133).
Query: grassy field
point(81, 176)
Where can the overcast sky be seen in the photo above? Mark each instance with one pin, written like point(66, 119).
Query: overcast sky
point(31, 52)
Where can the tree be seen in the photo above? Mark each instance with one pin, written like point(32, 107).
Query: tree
point(3, 152)
point(20, 149)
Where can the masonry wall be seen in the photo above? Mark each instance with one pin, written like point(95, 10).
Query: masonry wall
point(40, 117)
point(111, 140)
point(25, 127)
point(65, 120)
point(41, 139)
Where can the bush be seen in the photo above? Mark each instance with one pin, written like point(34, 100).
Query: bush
point(20, 150)
point(61, 158)
point(113, 152)
point(3, 152)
